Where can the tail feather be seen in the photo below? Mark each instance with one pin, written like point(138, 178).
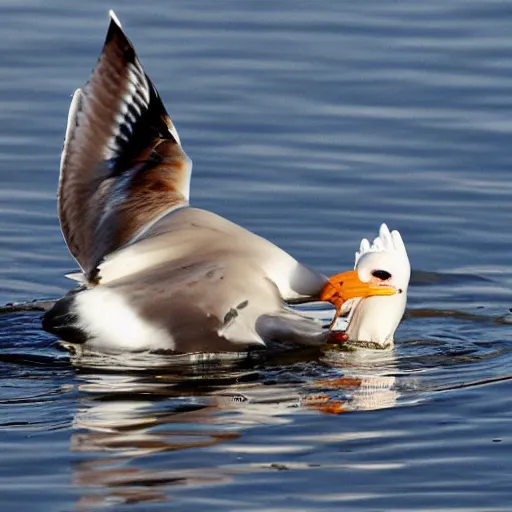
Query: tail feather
point(62, 321)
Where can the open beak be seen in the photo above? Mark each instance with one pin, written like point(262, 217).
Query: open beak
point(347, 285)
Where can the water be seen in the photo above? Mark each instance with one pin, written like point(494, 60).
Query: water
point(309, 123)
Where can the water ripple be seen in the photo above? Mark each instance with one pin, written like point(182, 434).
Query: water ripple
point(309, 126)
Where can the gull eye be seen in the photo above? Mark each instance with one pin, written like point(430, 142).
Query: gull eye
point(381, 274)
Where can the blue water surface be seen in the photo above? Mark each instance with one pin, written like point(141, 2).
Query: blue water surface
point(309, 123)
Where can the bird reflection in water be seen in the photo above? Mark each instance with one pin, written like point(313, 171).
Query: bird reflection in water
point(125, 417)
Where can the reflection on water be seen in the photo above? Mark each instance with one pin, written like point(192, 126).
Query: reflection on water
point(122, 419)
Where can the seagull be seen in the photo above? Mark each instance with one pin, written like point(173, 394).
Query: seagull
point(158, 274)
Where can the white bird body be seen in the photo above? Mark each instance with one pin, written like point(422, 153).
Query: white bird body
point(157, 273)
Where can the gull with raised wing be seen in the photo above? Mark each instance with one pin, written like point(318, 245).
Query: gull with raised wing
point(156, 273)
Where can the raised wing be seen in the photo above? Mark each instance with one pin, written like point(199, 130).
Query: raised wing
point(122, 164)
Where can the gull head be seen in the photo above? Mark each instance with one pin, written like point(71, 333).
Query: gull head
point(385, 262)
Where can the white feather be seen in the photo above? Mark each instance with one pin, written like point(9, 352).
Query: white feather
point(110, 321)
point(386, 242)
point(79, 277)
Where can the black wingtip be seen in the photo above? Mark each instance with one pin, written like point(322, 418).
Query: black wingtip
point(114, 27)
point(114, 19)
point(115, 32)
point(146, 121)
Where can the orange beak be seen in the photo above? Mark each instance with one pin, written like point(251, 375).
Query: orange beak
point(347, 285)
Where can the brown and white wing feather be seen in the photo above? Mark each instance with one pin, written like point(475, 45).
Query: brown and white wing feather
point(122, 163)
